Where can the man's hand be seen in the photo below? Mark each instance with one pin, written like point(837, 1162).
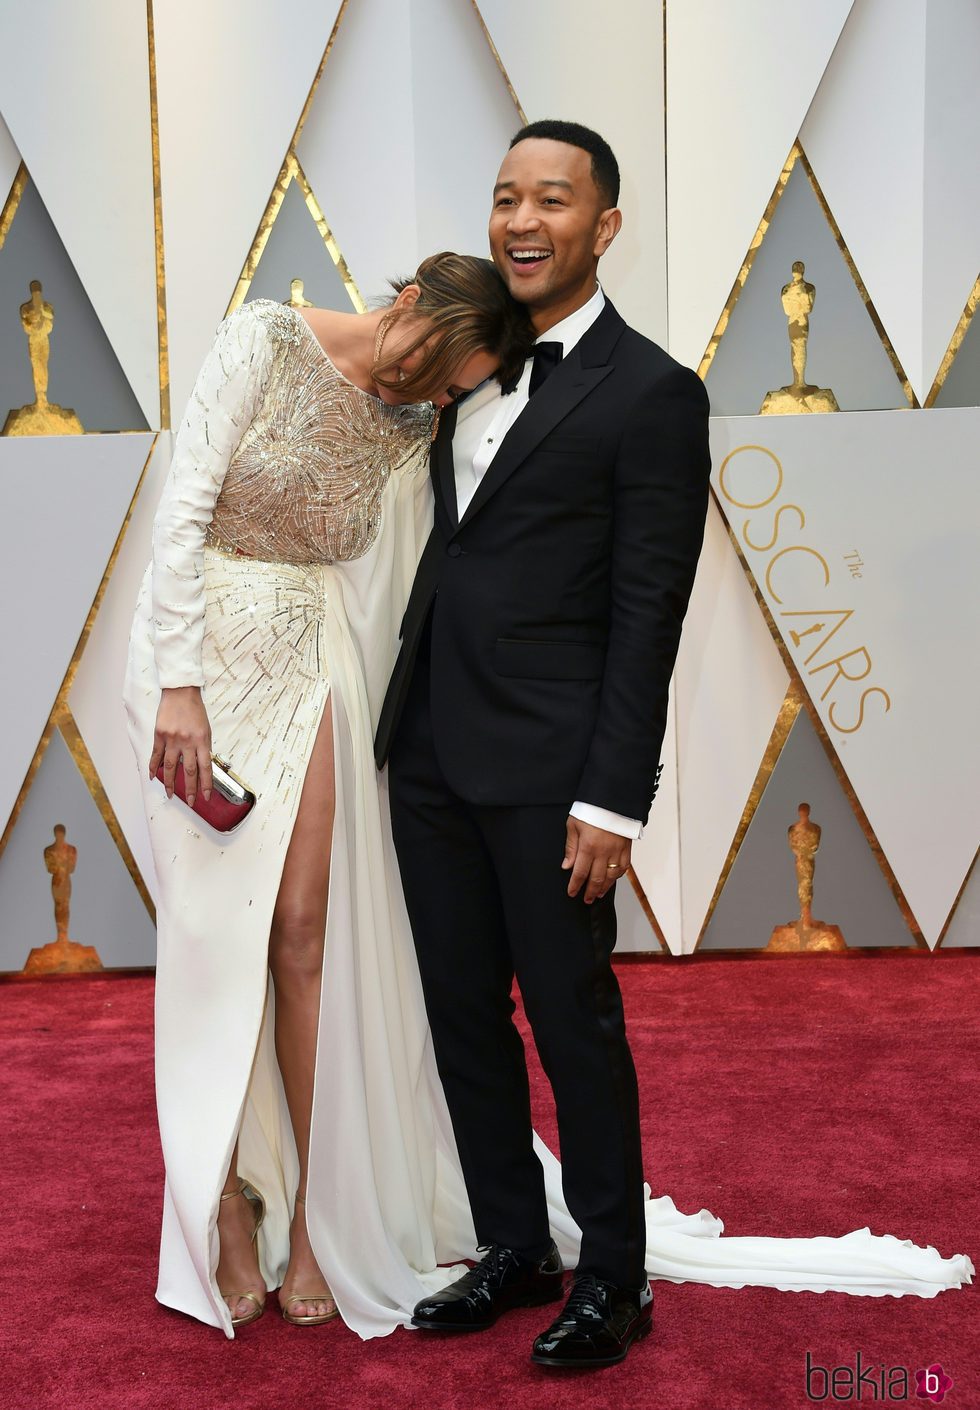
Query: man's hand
point(596, 858)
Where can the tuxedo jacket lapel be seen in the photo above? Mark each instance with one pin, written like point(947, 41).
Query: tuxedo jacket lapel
point(442, 470)
point(575, 377)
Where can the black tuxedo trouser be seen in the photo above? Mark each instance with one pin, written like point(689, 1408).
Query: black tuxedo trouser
point(487, 898)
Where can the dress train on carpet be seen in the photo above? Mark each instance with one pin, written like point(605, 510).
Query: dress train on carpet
point(691, 1248)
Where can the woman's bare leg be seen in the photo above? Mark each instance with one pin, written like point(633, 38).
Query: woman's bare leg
point(296, 962)
point(238, 1265)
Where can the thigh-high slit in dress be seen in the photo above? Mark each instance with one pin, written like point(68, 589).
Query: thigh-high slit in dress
point(284, 549)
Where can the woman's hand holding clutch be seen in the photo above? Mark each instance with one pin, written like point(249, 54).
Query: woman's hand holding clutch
point(183, 732)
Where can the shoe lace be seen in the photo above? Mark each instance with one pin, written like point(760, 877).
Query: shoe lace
point(586, 1299)
point(494, 1264)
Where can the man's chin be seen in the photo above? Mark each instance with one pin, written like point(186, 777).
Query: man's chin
point(526, 291)
point(520, 295)
point(521, 289)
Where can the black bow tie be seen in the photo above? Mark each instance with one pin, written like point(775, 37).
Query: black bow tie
point(546, 356)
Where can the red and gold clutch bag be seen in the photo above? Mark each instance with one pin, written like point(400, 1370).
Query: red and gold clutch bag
point(231, 800)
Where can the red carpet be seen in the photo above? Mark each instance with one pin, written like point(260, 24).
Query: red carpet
point(796, 1096)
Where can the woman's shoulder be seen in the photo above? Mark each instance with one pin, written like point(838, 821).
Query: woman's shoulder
point(258, 317)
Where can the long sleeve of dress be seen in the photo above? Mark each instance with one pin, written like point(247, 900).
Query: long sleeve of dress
point(226, 394)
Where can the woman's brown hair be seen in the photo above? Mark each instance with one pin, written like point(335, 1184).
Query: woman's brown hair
point(467, 309)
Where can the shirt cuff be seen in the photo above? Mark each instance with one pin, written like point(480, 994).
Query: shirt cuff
point(611, 822)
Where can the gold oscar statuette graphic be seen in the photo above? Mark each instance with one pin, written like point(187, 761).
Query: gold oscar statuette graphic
point(805, 933)
point(297, 299)
point(800, 396)
point(41, 417)
point(61, 956)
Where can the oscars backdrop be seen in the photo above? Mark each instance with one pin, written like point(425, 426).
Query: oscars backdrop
point(801, 225)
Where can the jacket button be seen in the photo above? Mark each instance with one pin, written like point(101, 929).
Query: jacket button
point(454, 550)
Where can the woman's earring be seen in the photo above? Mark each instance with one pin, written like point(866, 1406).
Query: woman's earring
point(385, 323)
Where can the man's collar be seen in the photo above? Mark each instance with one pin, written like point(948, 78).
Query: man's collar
point(574, 324)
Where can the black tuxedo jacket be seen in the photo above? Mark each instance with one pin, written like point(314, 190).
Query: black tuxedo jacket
point(557, 599)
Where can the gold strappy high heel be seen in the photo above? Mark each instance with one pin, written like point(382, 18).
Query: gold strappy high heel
point(259, 1307)
point(314, 1319)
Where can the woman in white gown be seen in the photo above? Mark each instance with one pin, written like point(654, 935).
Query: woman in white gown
point(284, 550)
point(284, 547)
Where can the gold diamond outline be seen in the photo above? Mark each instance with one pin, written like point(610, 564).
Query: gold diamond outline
point(786, 718)
point(292, 170)
point(955, 343)
point(78, 749)
point(797, 154)
point(163, 341)
point(7, 215)
point(500, 64)
point(955, 907)
point(17, 191)
point(60, 712)
point(22, 177)
point(648, 911)
point(861, 817)
point(775, 747)
point(12, 204)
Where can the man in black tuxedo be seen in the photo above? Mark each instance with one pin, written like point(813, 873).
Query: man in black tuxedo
point(524, 723)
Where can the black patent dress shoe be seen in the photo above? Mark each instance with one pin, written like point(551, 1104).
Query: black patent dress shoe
point(597, 1326)
point(501, 1280)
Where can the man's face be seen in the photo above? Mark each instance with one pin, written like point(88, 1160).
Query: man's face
point(548, 227)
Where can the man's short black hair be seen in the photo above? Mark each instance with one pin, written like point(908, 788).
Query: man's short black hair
point(605, 168)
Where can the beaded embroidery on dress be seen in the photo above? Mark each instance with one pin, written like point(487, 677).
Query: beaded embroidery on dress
point(306, 481)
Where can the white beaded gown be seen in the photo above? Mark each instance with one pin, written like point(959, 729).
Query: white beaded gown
point(285, 544)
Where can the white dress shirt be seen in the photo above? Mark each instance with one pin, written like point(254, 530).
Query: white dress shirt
point(482, 423)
